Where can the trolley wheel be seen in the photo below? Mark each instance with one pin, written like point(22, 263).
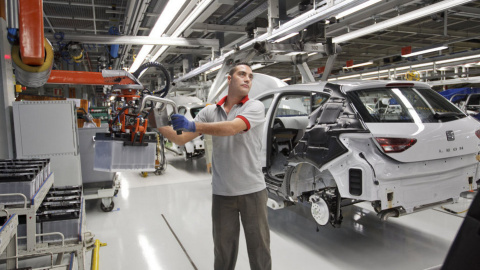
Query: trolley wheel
point(107, 209)
point(115, 192)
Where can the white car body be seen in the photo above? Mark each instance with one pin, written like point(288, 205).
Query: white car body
point(189, 107)
point(329, 152)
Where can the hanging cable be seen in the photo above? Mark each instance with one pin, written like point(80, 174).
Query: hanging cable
point(162, 93)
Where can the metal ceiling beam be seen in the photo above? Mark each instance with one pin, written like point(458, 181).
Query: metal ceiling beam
point(368, 15)
point(94, 19)
point(204, 16)
point(468, 11)
point(190, 7)
point(368, 52)
point(75, 29)
point(469, 80)
point(429, 31)
point(395, 21)
point(293, 25)
point(76, 18)
point(205, 27)
point(423, 61)
point(142, 40)
point(189, 51)
point(387, 42)
point(259, 10)
point(132, 22)
point(70, 3)
point(48, 21)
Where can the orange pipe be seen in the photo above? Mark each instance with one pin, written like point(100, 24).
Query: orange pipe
point(2, 10)
point(30, 20)
point(84, 77)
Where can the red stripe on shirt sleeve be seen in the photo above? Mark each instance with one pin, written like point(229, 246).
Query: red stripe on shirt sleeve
point(244, 120)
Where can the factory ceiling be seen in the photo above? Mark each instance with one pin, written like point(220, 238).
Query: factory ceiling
point(376, 35)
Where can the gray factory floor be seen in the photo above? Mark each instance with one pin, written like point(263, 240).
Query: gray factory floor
point(163, 222)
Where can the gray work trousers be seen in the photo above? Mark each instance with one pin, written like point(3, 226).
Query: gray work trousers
point(252, 210)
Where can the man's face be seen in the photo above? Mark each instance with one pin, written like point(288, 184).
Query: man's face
point(241, 80)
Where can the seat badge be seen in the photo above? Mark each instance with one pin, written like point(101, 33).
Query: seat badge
point(450, 135)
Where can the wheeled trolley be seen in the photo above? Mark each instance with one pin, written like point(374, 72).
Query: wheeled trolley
point(96, 184)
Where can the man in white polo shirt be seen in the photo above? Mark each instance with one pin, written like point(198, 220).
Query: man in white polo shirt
point(239, 190)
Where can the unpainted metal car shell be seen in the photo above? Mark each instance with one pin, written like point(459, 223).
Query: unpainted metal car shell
point(339, 161)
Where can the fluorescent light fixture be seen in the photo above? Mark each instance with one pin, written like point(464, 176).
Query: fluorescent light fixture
point(437, 48)
point(348, 77)
point(419, 13)
point(356, 8)
point(418, 67)
point(374, 72)
point(257, 66)
point(293, 53)
point(457, 59)
point(286, 37)
point(295, 24)
point(360, 65)
point(186, 23)
point(313, 53)
point(287, 79)
point(376, 78)
point(415, 66)
point(168, 14)
point(298, 23)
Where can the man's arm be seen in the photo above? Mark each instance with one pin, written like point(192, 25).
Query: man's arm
point(169, 133)
point(224, 128)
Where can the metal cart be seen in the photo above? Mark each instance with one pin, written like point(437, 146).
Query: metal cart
point(96, 184)
point(8, 240)
point(34, 249)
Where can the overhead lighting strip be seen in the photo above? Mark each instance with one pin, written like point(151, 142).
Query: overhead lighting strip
point(419, 13)
point(356, 8)
point(420, 67)
point(286, 37)
point(168, 14)
point(360, 65)
point(437, 48)
point(295, 24)
point(199, 9)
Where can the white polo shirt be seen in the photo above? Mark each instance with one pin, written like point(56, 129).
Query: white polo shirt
point(236, 164)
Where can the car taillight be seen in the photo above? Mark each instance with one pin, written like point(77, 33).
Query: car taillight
point(477, 132)
point(395, 145)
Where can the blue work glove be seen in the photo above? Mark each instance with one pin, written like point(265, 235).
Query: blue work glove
point(179, 122)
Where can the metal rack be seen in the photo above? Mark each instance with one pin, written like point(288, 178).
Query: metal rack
point(8, 240)
point(33, 248)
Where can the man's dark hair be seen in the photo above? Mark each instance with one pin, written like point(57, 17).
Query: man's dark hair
point(234, 68)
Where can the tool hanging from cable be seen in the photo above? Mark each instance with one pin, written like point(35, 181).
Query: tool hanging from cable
point(128, 145)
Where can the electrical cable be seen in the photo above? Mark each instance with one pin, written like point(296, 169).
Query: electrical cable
point(117, 117)
point(162, 93)
point(33, 76)
point(162, 161)
point(453, 212)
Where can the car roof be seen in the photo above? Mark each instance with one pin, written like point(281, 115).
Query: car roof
point(345, 85)
point(294, 87)
point(349, 85)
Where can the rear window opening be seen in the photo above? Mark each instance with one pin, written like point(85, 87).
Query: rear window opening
point(403, 105)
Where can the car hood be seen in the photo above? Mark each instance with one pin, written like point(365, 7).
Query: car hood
point(431, 138)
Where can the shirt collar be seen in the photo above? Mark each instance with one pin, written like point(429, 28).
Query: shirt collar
point(224, 99)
